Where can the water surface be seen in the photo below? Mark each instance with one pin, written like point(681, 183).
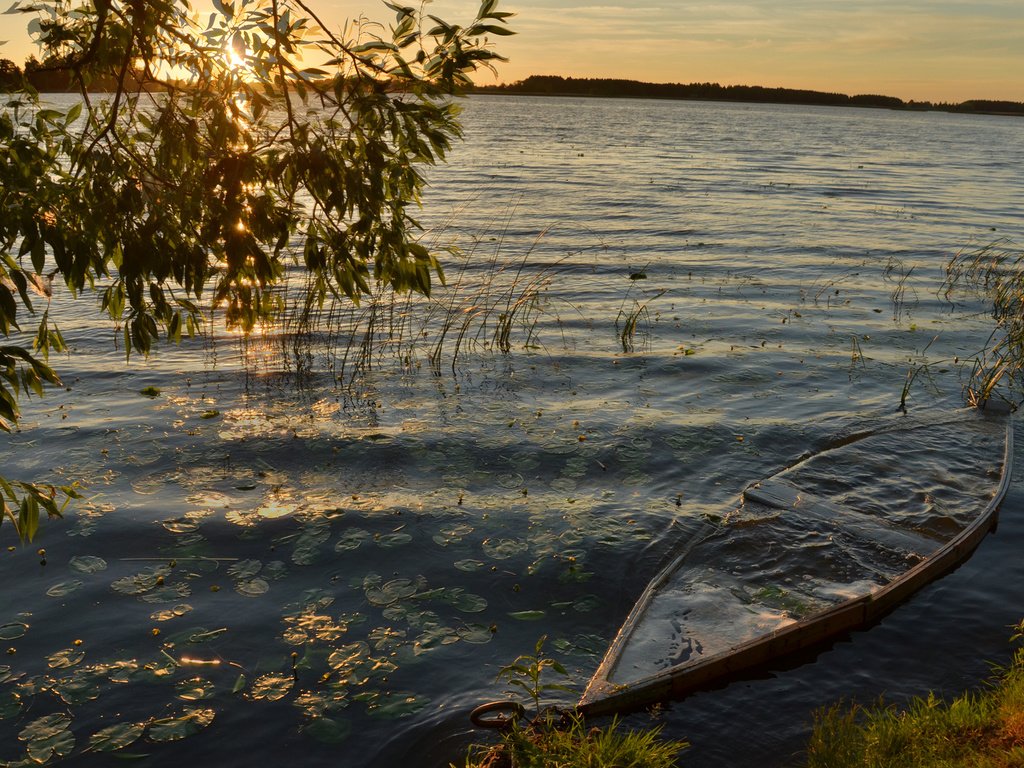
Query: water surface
point(283, 553)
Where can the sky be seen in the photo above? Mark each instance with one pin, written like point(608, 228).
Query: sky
point(933, 50)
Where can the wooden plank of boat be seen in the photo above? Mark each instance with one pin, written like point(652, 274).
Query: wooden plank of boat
point(823, 547)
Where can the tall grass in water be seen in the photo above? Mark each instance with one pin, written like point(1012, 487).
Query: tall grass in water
point(492, 299)
point(977, 730)
point(998, 271)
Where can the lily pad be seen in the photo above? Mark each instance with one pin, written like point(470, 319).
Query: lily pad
point(503, 549)
point(171, 613)
point(245, 569)
point(398, 705)
point(528, 615)
point(271, 687)
point(469, 565)
point(10, 704)
point(469, 603)
point(391, 540)
point(189, 722)
point(390, 592)
point(13, 630)
point(63, 588)
point(88, 564)
point(328, 730)
point(117, 736)
point(66, 658)
point(252, 587)
point(194, 689)
point(48, 736)
point(351, 539)
point(477, 634)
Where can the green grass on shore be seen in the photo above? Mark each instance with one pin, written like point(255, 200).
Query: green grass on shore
point(578, 746)
point(977, 730)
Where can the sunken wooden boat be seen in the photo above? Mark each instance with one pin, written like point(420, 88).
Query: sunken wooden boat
point(823, 547)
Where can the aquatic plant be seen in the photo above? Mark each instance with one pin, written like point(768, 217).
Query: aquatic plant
point(997, 271)
point(526, 673)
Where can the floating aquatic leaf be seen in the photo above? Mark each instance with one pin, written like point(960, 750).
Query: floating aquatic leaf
point(503, 549)
point(307, 545)
point(397, 705)
point(141, 582)
point(509, 480)
point(245, 569)
point(85, 684)
point(245, 485)
point(150, 391)
point(10, 704)
point(194, 689)
point(63, 588)
point(66, 658)
point(328, 730)
point(434, 638)
point(391, 540)
point(45, 727)
point(271, 687)
point(347, 657)
point(240, 683)
point(88, 564)
point(528, 615)
point(586, 603)
point(274, 570)
point(478, 634)
point(167, 593)
point(390, 592)
point(252, 587)
point(386, 638)
point(117, 736)
point(211, 414)
point(59, 744)
point(468, 603)
point(469, 565)
point(171, 613)
point(351, 539)
point(181, 525)
point(13, 631)
point(189, 722)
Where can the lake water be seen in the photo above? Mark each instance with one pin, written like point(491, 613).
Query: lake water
point(287, 553)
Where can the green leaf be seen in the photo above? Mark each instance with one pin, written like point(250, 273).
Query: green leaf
point(117, 736)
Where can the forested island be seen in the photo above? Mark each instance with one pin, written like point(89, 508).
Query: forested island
point(555, 85)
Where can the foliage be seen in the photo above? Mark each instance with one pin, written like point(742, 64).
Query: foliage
point(980, 730)
point(576, 746)
point(997, 270)
point(526, 671)
point(219, 158)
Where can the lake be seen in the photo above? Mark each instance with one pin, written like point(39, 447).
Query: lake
point(302, 543)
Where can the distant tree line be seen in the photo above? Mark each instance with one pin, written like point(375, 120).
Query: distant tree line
point(48, 76)
point(615, 88)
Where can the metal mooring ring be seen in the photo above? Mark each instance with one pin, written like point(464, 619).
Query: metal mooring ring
point(500, 721)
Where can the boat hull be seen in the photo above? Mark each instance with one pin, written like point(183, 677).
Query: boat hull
point(688, 632)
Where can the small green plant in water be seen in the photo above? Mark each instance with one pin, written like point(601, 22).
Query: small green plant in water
point(526, 671)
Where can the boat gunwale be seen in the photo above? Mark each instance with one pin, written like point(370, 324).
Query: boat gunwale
point(603, 697)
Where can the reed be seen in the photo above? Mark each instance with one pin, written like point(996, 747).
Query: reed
point(997, 271)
